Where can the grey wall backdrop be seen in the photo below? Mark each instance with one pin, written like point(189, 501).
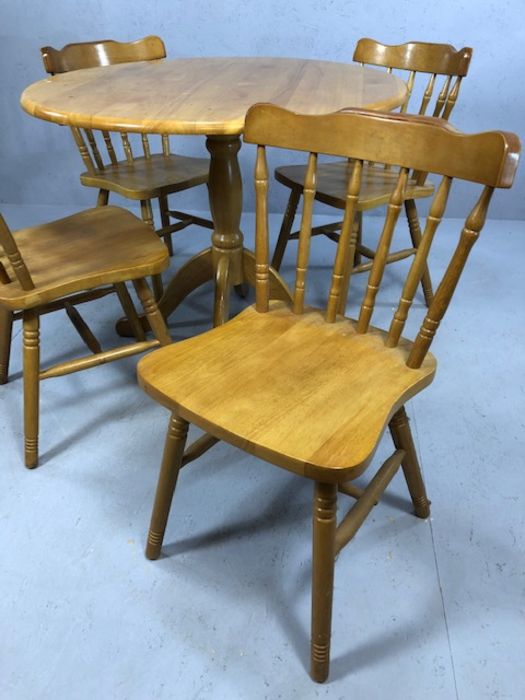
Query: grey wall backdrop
point(39, 163)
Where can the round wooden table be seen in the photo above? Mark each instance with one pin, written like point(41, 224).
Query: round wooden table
point(209, 96)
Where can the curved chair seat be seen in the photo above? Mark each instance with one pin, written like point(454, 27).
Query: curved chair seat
point(95, 247)
point(332, 184)
point(148, 178)
point(308, 396)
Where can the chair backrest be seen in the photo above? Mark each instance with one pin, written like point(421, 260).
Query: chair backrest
point(105, 52)
point(408, 142)
point(421, 57)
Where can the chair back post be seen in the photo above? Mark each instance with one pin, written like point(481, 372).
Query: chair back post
point(83, 149)
point(469, 235)
point(8, 243)
point(420, 143)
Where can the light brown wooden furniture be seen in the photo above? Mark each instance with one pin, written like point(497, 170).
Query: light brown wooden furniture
point(142, 178)
point(208, 96)
point(62, 263)
point(313, 391)
point(435, 60)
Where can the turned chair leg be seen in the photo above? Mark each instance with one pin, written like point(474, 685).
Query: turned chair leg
point(153, 314)
point(6, 328)
point(415, 235)
point(102, 198)
point(130, 312)
point(146, 212)
point(165, 221)
point(286, 227)
point(358, 223)
point(402, 437)
point(323, 559)
point(169, 472)
point(31, 325)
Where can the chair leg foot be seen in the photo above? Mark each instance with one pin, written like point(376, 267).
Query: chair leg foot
point(323, 560)
point(402, 437)
point(31, 351)
point(169, 472)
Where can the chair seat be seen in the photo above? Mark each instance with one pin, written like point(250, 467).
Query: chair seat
point(95, 247)
point(292, 389)
point(147, 178)
point(332, 182)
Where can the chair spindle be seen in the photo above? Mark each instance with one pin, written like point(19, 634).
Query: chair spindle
point(442, 97)
point(94, 149)
point(347, 243)
point(376, 273)
point(145, 145)
point(165, 144)
point(127, 147)
point(305, 234)
point(109, 147)
point(262, 252)
point(427, 94)
point(451, 98)
point(410, 87)
point(415, 274)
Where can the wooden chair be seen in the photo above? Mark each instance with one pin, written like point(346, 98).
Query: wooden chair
point(62, 263)
point(141, 178)
point(378, 180)
point(313, 391)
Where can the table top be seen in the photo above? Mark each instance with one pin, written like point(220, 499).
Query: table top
point(205, 95)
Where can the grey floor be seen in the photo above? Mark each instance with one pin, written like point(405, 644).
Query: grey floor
point(432, 610)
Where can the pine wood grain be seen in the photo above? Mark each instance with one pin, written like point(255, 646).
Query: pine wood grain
point(204, 95)
point(99, 246)
point(350, 384)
